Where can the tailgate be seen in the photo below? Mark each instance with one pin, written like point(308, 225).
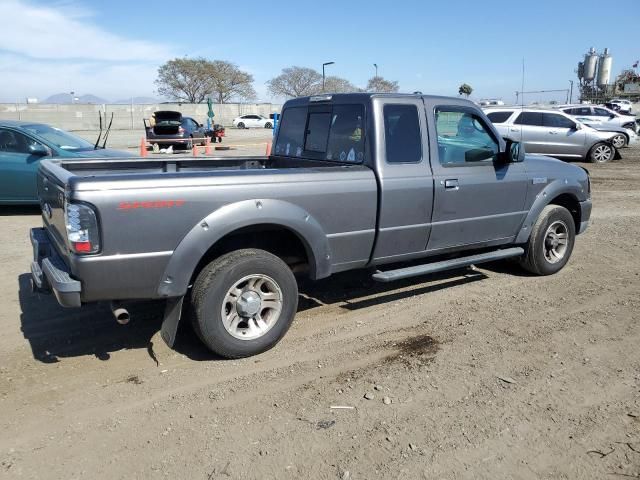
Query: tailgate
point(51, 192)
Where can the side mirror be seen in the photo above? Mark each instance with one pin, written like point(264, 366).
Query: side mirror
point(577, 126)
point(200, 125)
point(612, 115)
point(514, 152)
point(39, 150)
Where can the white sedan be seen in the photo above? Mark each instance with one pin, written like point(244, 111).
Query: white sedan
point(252, 121)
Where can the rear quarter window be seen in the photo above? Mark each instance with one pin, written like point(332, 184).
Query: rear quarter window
point(499, 117)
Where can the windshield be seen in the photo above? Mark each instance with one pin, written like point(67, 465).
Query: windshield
point(59, 138)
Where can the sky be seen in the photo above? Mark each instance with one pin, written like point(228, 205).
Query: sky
point(113, 48)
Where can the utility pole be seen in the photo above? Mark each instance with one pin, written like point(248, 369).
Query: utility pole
point(376, 65)
point(571, 92)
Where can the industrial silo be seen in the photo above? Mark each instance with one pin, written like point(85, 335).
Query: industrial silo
point(590, 65)
point(604, 69)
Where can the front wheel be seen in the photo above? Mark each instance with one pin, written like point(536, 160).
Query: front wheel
point(601, 153)
point(244, 302)
point(619, 141)
point(551, 241)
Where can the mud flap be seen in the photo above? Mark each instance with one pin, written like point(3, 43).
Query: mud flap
point(172, 313)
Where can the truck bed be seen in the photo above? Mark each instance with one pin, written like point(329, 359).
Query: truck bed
point(146, 209)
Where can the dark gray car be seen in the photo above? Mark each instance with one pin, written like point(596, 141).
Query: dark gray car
point(355, 181)
point(171, 128)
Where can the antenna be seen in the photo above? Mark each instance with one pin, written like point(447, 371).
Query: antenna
point(522, 100)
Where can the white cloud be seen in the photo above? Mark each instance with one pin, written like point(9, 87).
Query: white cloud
point(26, 77)
point(67, 31)
point(59, 47)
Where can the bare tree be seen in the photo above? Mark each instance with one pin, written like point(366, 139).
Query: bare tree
point(183, 79)
point(295, 82)
point(339, 85)
point(379, 84)
point(229, 82)
point(193, 80)
point(465, 89)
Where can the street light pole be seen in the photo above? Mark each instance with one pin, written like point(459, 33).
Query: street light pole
point(376, 65)
point(324, 65)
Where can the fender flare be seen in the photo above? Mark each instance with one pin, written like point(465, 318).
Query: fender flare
point(547, 194)
point(229, 218)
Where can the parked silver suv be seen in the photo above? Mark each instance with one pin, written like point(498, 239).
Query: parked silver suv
point(552, 133)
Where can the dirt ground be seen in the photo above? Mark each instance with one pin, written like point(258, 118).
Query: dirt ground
point(489, 374)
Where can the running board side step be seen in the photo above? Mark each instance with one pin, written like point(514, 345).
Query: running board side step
point(400, 273)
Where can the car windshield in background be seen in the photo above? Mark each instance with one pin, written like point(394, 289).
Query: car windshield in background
point(59, 138)
point(331, 133)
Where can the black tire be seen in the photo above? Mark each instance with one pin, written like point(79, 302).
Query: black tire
point(268, 125)
point(537, 250)
point(620, 140)
point(213, 286)
point(601, 153)
point(241, 125)
point(219, 139)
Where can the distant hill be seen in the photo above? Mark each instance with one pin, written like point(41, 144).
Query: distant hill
point(66, 98)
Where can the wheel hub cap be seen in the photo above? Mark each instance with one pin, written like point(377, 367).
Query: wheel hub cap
point(248, 304)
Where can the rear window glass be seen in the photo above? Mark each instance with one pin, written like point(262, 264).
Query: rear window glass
point(499, 117)
point(529, 118)
point(335, 133)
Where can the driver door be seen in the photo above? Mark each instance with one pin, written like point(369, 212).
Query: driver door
point(18, 167)
point(477, 200)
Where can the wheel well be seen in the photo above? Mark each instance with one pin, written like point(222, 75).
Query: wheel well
point(274, 239)
point(571, 203)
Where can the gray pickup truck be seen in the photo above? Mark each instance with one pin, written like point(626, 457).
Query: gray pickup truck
point(354, 181)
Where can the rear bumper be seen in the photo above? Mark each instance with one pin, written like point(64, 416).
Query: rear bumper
point(585, 215)
point(49, 272)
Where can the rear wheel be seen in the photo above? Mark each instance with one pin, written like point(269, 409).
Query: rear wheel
point(244, 302)
point(551, 241)
point(241, 125)
point(601, 153)
point(619, 141)
point(189, 144)
point(268, 125)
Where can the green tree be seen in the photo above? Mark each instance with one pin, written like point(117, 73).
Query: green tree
point(465, 89)
point(381, 85)
point(193, 80)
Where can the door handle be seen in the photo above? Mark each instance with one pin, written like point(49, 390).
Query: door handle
point(514, 129)
point(553, 132)
point(451, 184)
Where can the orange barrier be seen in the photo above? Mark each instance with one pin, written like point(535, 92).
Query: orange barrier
point(195, 150)
point(207, 147)
point(268, 150)
point(143, 147)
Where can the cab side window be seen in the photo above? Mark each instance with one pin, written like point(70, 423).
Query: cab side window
point(15, 142)
point(464, 138)
point(553, 120)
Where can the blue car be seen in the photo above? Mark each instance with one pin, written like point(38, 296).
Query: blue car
point(24, 144)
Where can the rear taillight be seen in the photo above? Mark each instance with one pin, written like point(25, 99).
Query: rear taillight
point(180, 131)
point(82, 228)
